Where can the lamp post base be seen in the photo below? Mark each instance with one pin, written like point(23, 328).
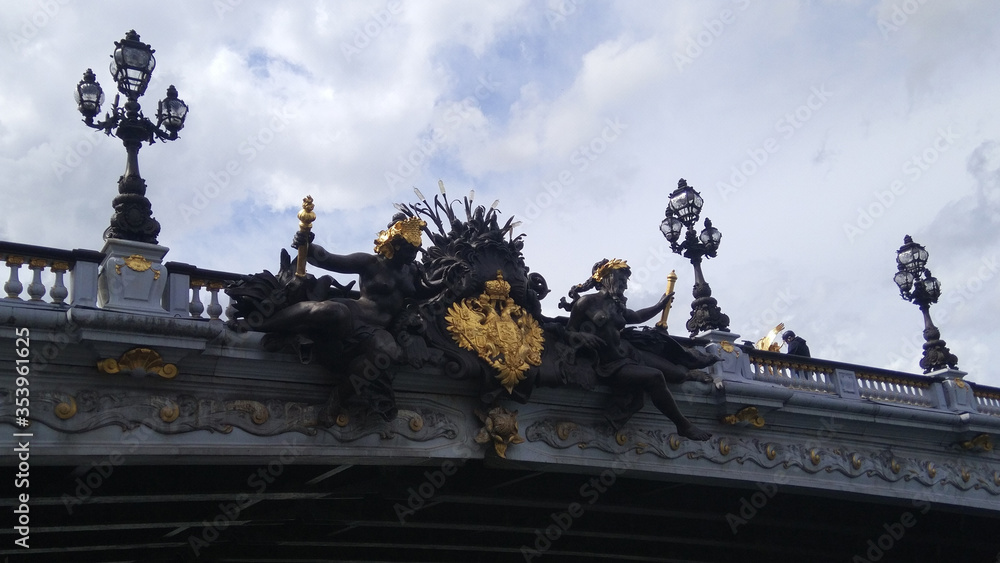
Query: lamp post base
point(706, 315)
point(717, 336)
point(937, 357)
point(133, 216)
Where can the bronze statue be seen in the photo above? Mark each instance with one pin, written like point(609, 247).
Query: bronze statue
point(597, 321)
point(470, 309)
point(357, 332)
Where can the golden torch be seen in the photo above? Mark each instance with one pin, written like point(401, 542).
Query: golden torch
point(671, 280)
point(306, 217)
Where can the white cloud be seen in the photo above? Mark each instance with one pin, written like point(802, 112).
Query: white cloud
point(329, 98)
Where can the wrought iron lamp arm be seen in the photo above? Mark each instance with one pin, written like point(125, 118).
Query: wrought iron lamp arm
point(683, 211)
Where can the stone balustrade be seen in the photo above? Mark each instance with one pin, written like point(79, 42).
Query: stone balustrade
point(183, 296)
point(946, 391)
point(794, 374)
point(987, 400)
point(46, 276)
point(81, 264)
point(901, 388)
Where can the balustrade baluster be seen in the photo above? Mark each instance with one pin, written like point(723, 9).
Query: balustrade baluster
point(196, 307)
point(59, 292)
point(36, 289)
point(988, 404)
point(13, 287)
point(214, 308)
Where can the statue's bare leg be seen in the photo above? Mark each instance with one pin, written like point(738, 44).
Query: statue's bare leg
point(330, 316)
point(674, 373)
point(651, 380)
point(369, 373)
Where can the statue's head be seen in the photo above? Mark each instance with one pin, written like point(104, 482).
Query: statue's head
point(403, 236)
point(611, 272)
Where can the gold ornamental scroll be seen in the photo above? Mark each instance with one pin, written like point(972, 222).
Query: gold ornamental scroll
point(306, 217)
point(671, 280)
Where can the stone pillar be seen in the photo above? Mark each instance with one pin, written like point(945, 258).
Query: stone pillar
point(958, 394)
point(718, 336)
point(83, 278)
point(735, 364)
point(132, 277)
point(176, 298)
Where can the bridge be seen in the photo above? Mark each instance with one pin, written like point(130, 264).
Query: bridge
point(140, 426)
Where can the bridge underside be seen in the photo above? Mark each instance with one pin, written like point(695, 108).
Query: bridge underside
point(473, 511)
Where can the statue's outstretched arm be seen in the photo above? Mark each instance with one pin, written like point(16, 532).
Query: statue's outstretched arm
point(643, 315)
point(354, 263)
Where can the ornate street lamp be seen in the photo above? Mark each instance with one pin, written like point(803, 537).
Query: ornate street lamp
point(917, 285)
point(683, 211)
point(132, 64)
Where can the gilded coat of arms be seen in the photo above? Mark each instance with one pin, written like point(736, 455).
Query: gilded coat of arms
point(499, 330)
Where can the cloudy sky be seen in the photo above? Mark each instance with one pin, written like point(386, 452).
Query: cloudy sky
point(819, 134)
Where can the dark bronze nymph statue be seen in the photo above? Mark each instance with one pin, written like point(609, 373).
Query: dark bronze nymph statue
point(598, 319)
point(469, 309)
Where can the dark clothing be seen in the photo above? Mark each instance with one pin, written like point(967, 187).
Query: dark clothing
point(797, 347)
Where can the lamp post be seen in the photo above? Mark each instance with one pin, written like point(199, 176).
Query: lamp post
point(917, 285)
point(683, 211)
point(132, 65)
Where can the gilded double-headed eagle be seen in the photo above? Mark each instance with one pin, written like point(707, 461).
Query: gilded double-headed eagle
point(499, 330)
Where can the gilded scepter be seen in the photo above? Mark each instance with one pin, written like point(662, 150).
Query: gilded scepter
point(671, 280)
point(306, 217)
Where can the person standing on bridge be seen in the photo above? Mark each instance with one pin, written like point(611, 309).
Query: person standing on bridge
point(796, 344)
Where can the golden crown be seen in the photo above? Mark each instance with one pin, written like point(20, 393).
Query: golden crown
point(498, 289)
point(408, 229)
point(607, 267)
